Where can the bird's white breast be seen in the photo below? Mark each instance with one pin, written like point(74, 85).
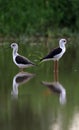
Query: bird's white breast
point(57, 57)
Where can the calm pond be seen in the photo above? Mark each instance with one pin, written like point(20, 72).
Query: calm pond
point(28, 100)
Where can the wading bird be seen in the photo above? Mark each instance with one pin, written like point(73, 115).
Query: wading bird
point(56, 53)
point(21, 61)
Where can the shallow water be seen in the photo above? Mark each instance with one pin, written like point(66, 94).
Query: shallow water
point(30, 100)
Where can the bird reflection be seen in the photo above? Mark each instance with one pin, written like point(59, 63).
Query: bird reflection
point(57, 88)
point(20, 78)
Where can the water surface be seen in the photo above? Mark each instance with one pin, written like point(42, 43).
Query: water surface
point(29, 100)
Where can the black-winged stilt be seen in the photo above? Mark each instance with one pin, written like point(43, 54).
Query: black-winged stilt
point(20, 61)
point(56, 53)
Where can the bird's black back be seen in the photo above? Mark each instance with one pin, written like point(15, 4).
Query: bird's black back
point(21, 60)
point(53, 53)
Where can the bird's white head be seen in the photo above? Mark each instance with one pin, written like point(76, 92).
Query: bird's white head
point(62, 43)
point(14, 46)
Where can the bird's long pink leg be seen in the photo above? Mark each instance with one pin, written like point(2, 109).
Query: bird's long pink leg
point(56, 70)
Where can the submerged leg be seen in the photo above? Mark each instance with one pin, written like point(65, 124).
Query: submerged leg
point(56, 66)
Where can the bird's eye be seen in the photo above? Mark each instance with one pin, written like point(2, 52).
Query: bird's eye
point(13, 45)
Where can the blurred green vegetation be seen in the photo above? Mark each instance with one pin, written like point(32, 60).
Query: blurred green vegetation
point(38, 17)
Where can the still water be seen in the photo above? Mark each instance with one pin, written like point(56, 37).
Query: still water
point(34, 99)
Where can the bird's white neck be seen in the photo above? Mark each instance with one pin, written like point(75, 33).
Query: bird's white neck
point(62, 46)
point(15, 51)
